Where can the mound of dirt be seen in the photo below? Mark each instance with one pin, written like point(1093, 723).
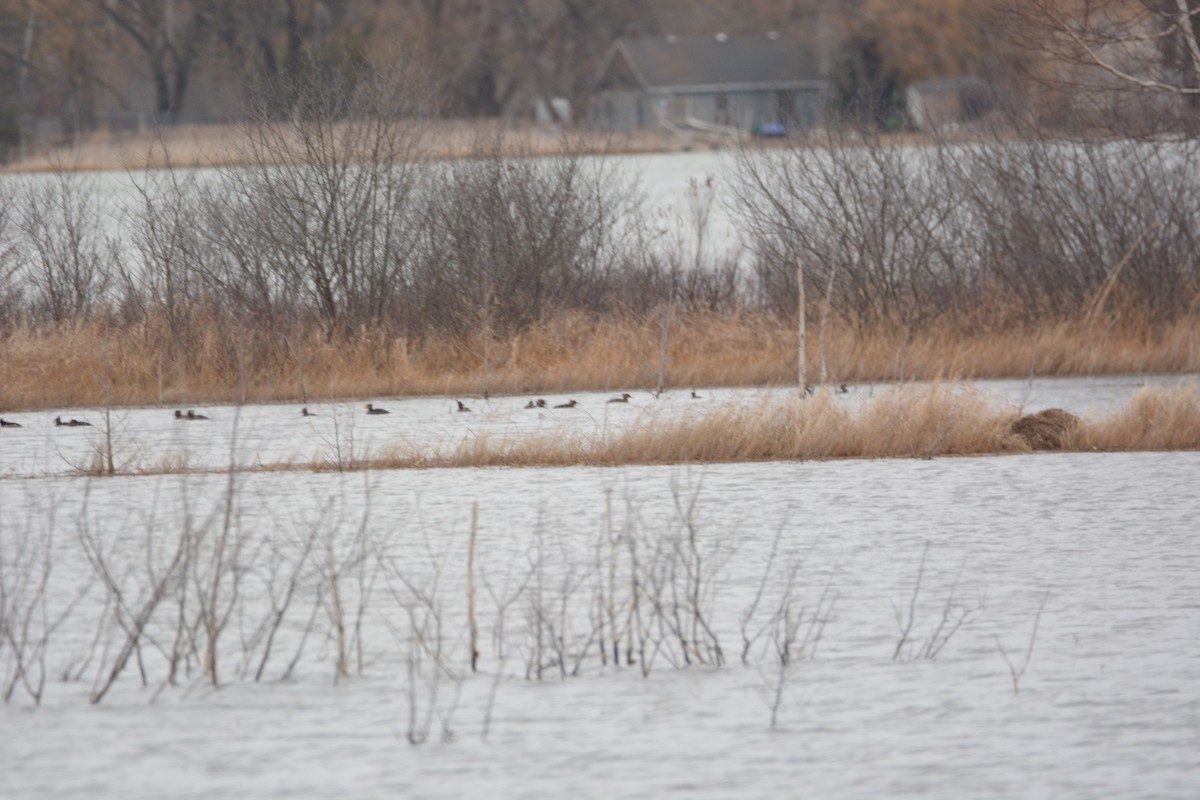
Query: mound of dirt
point(1050, 429)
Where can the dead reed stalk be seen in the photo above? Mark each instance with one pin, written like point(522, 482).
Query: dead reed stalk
point(66, 365)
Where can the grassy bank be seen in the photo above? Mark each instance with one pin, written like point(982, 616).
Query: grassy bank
point(75, 365)
point(907, 422)
point(226, 145)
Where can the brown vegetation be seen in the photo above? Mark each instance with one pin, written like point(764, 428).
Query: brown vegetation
point(906, 422)
point(68, 365)
point(1048, 429)
point(226, 145)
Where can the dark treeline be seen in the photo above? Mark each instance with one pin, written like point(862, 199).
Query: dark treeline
point(78, 65)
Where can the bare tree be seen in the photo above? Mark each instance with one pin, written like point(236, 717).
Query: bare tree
point(1136, 61)
point(328, 214)
point(65, 252)
point(168, 33)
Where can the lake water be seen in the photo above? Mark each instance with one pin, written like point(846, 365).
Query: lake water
point(272, 434)
point(1097, 551)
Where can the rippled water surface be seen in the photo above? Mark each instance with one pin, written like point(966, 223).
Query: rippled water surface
point(1105, 545)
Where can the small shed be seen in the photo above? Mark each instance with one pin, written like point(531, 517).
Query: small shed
point(716, 84)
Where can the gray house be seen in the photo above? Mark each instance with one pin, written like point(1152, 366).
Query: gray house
point(713, 84)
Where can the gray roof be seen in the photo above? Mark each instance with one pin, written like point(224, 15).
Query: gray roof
point(707, 63)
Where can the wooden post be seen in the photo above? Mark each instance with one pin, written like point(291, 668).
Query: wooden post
point(803, 361)
point(662, 348)
point(474, 627)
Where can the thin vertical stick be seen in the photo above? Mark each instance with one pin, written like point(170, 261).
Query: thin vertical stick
point(826, 307)
point(802, 358)
point(662, 347)
point(487, 334)
point(287, 340)
point(110, 468)
point(471, 587)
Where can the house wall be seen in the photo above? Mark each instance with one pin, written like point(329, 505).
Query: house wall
point(749, 110)
point(626, 110)
point(618, 110)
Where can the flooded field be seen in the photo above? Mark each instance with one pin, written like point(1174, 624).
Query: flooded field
point(1020, 625)
point(153, 439)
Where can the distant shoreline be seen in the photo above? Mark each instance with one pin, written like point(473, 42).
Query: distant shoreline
point(203, 146)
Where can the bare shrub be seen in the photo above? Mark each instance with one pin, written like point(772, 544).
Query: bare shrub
point(67, 258)
point(908, 234)
point(32, 608)
point(672, 257)
point(510, 238)
point(10, 288)
point(1065, 226)
point(134, 599)
point(954, 614)
point(1015, 672)
point(326, 213)
point(876, 226)
point(165, 280)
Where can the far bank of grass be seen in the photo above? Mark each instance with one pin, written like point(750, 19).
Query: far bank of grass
point(227, 361)
point(202, 146)
point(220, 361)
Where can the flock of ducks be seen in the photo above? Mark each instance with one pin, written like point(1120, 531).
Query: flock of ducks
point(59, 422)
point(532, 404)
point(192, 416)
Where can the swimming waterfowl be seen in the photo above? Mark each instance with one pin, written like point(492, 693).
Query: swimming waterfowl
point(373, 410)
point(192, 415)
point(568, 404)
point(461, 407)
point(624, 398)
point(304, 412)
point(696, 396)
point(179, 414)
point(72, 423)
point(842, 389)
point(4, 423)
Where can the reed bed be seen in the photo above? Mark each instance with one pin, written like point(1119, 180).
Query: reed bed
point(221, 361)
point(225, 145)
point(907, 422)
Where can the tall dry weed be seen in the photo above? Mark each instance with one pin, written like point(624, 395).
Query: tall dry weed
point(64, 365)
point(1155, 419)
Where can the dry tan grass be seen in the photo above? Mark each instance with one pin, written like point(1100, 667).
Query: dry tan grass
point(1155, 419)
point(65, 366)
point(906, 422)
point(225, 145)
